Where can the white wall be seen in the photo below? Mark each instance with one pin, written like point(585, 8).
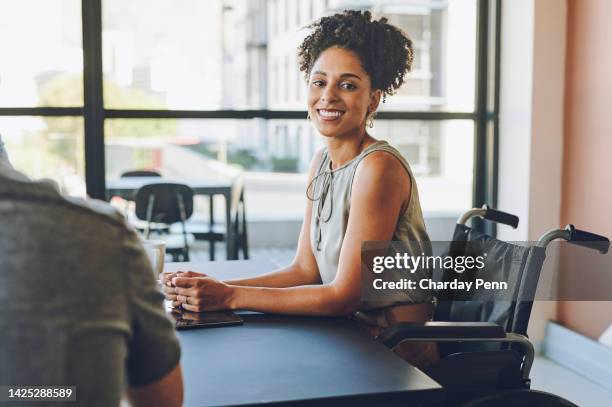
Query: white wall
point(531, 124)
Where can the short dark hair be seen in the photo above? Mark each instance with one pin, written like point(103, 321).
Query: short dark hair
point(385, 52)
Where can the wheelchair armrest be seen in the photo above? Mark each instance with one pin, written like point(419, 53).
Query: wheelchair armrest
point(456, 332)
point(433, 331)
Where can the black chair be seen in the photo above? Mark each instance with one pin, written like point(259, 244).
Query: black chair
point(126, 209)
point(167, 203)
point(213, 232)
point(485, 355)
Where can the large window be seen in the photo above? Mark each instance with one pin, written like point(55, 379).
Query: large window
point(204, 89)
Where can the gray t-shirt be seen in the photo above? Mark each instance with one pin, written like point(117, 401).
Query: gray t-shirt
point(80, 305)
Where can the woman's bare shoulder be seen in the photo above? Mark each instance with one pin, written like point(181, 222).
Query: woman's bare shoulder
point(381, 163)
point(381, 174)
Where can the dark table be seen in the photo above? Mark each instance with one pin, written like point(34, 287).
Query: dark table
point(297, 360)
point(126, 188)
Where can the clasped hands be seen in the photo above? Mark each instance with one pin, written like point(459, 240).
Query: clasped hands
point(197, 292)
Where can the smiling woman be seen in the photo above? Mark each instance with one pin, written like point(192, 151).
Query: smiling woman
point(360, 189)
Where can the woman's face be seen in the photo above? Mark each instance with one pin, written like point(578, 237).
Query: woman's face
point(340, 94)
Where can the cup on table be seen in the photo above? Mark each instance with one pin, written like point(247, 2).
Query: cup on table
point(156, 251)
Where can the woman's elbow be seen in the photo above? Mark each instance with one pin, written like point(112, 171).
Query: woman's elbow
point(343, 305)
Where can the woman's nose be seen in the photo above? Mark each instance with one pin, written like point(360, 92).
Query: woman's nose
point(329, 94)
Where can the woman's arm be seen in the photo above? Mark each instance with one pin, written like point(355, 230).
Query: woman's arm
point(303, 270)
point(380, 187)
point(289, 276)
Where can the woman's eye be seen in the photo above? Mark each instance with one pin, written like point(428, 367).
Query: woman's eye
point(349, 86)
point(318, 83)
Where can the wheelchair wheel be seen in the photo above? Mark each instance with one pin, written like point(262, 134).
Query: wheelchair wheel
point(519, 398)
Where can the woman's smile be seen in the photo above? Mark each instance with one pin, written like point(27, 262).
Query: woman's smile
point(330, 115)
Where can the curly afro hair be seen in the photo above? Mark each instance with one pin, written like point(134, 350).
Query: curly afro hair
point(385, 52)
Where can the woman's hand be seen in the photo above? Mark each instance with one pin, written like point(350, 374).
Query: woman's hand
point(167, 287)
point(198, 292)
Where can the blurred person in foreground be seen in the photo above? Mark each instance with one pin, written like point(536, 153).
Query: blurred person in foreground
point(360, 189)
point(80, 304)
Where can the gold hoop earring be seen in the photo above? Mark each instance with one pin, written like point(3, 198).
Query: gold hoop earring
point(370, 119)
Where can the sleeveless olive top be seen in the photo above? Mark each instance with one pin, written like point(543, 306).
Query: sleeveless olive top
point(330, 191)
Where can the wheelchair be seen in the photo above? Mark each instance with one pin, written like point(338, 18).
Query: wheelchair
point(485, 355)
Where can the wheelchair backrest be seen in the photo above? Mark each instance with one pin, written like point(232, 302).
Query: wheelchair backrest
point(518, 265)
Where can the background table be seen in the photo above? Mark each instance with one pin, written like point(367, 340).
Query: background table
point(303, 360)
point(126, 188)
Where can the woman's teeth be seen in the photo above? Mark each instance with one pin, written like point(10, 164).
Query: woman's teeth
point(331, 114)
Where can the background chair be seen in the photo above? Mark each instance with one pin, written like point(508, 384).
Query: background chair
point(127, 211)
point(485, 355)
point(214, 232)
point(167, 203)
point(140, 173)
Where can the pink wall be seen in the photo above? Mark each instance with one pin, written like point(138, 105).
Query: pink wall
point(587, 158)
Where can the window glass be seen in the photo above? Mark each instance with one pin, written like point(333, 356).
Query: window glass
point(444, 41)
point(41, 53)
point(47, 147)
point(183, 55)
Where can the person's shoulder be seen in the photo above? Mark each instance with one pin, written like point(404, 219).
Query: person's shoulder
point(381, 164)
point(100, 215)
point(380, 173)
point(98, 208)
point(45, 195)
